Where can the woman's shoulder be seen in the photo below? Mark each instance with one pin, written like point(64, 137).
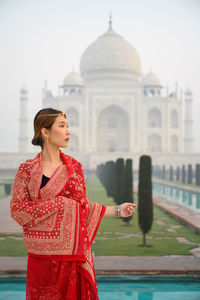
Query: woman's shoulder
point(72, 160)
point(28, 163)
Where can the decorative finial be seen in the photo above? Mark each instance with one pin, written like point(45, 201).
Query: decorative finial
point(110, 21)
point(23, 90)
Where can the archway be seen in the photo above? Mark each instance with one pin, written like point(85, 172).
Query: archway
point(113, 130)
point(154, 143)
point(154, 118)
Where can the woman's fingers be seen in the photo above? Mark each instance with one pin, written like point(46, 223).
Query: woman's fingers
point(133, 205)
point(128, 208)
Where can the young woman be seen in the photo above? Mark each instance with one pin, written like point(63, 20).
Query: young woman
point(59, 223)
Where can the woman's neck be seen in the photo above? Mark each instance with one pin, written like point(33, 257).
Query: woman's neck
point(51, 155)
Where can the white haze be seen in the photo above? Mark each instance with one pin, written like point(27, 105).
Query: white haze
point(44, 40)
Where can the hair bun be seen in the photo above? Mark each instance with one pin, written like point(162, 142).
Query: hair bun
point(37, 141)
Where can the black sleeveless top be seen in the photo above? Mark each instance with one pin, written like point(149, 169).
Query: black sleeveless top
point(45, 179)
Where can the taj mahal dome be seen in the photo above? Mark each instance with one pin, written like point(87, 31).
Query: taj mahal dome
point(114, 110)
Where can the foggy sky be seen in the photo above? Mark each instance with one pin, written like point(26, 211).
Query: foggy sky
point(43, 40)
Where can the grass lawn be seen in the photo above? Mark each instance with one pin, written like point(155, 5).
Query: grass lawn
point(132, 246)
point(2, 192)
point(111, 236)
point(12, 247)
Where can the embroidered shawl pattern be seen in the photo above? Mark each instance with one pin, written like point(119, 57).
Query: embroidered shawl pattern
point(57, 219)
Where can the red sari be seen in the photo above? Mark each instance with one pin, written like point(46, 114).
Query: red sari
point(59, 226)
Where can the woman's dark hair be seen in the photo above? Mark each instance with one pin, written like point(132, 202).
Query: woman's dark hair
point(41, 121)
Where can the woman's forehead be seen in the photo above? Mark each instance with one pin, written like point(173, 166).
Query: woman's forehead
point(60, 119)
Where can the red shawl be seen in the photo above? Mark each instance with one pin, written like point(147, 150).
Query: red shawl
point(58, 220)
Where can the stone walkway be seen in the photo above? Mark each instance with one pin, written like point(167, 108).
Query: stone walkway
point(121, 265)
point(147, 264)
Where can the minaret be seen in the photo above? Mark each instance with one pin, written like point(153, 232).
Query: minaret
point(23, 121)
point(110, 21)
point(188, 123)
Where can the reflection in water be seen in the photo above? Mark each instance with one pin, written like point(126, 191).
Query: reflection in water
point(178, 195)
point(148, 295)
point(160, 288)
point(124, 287)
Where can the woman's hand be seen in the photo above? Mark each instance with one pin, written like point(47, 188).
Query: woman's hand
point(127, 209)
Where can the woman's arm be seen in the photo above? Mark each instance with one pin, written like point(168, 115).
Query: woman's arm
point(110, 211)
point(126, 210)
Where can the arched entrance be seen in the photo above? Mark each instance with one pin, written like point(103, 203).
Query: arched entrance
point(113, 130)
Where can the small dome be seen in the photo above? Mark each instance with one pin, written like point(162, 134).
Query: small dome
point(151, 79)
point(110, 53)
point(73, 79)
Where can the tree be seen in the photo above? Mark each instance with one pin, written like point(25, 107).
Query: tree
point(145, 204)
point(128, 189)
point(163, 172)
point(178, 173)
point(189, 174)
point(107, 178)
point(171, 173)
point(113, 184)
point(197, 174)
point(183, 174)
point(7, 188)
point(119, 171)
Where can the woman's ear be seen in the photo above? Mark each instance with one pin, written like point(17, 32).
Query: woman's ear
point(44, 133)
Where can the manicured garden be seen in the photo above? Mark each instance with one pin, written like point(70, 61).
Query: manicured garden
point(163, 239)
point(166, 237)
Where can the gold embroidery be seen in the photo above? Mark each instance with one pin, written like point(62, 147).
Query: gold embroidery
point(62, 221)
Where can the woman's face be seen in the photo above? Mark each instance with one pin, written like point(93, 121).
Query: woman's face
point(59, 134)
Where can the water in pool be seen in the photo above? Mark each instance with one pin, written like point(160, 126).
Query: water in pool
point(123, 287)
point(183, 197)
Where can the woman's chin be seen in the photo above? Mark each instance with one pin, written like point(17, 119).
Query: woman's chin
point(65, 145)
